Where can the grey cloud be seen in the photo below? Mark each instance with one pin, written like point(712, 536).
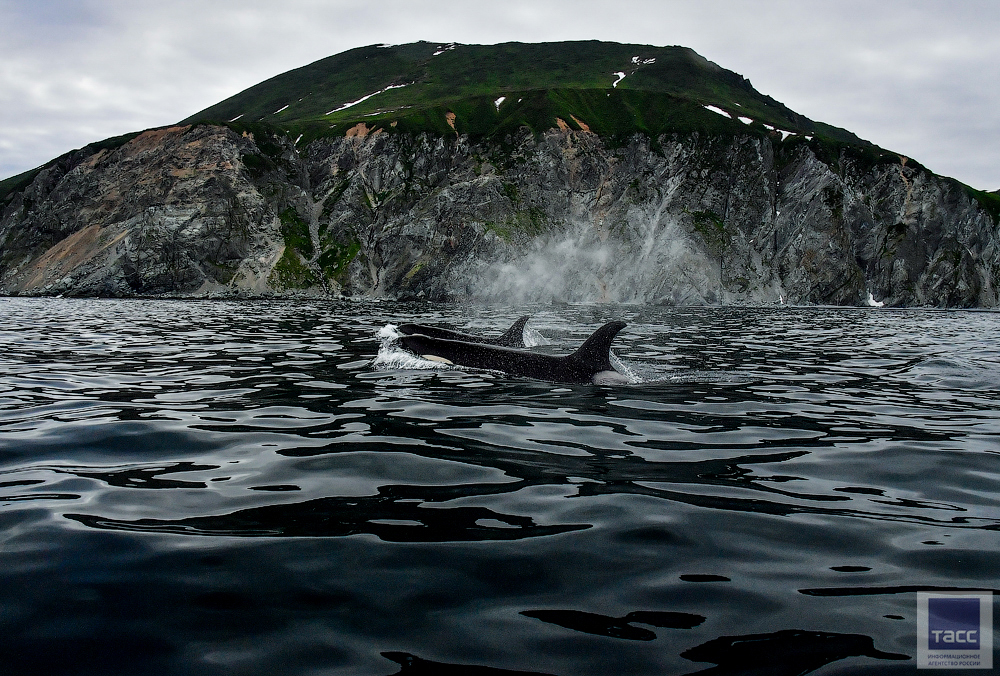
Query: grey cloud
point(911, 76)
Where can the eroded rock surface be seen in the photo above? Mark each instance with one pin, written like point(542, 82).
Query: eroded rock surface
point(565, 215)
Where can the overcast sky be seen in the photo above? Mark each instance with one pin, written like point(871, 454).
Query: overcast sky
point(916, 77)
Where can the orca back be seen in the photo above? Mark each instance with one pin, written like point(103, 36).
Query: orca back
point(588, 364)
point(513, 337)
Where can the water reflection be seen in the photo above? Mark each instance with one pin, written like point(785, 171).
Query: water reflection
point(395, 515)
point(226, 486)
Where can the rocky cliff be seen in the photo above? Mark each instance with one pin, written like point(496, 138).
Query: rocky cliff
point(560, 214)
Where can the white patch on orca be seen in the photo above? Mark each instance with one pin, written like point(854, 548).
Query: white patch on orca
point(611, 378)
point(435, 358)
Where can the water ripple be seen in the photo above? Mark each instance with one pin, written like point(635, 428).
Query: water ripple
point(266, 486)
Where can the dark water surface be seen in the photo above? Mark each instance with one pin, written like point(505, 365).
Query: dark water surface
point(235, 488)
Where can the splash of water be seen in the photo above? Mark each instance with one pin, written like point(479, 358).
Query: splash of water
point(392, 357)
point(532, 338)
point(388, 333)
point(625, 369)
point(648, 258)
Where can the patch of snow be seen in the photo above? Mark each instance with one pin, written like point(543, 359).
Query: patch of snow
point(720, 111)
point(498, 102)
point(737, 104)
point(785, 134)
point(621, 76)
point(642, 62)
point(281, 109)
point(745, 120)
point(444, 48)
point(298, 139)
point(365, 98)
point(809, 138)
point(874, 303)
point(237, 117)
point(767, 126)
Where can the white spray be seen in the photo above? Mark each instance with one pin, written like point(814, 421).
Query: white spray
point(646, 259)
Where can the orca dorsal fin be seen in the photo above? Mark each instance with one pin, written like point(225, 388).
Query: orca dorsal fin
point(595, 351)
point(515, 334)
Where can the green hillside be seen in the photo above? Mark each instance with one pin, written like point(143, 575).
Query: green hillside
point(611, 88)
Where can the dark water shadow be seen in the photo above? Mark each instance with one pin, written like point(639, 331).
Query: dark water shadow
point(411, 665)
point(791, 652)
point(897, 589)
point(617, 627)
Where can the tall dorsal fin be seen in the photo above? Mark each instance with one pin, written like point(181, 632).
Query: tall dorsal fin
point(595, 350)
point(515, 334)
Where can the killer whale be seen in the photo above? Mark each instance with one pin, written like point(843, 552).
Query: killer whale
point(591, 363)
point(513, 337)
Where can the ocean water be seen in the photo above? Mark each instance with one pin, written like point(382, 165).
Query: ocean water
point(197, 487)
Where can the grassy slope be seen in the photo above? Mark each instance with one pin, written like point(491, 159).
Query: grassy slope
point(665, 90)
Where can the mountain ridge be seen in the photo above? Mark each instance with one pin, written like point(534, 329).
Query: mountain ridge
point(535, 172)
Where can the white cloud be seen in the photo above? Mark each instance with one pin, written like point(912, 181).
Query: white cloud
point(914, 76)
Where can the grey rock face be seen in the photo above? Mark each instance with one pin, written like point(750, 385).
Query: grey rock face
point(683, 219)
